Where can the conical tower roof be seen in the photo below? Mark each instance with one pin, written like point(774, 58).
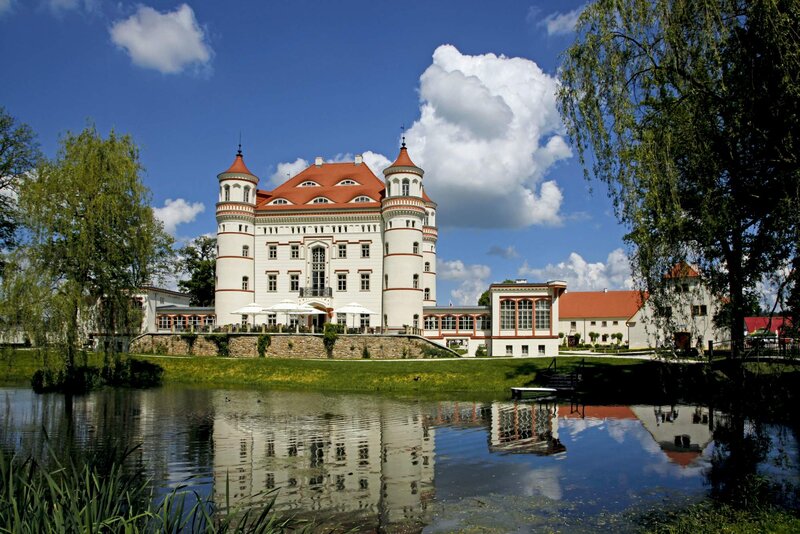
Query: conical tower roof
point(238, 166)
point(403, 163)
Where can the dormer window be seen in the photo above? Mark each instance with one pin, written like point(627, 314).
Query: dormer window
point(320, 200)
point(348, 181)
point(278, 201)
point(362, 198)
point(309, 183)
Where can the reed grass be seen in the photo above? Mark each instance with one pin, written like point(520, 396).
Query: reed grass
point(70, 497)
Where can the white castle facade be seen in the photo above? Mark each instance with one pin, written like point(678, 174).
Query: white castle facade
point(331, 235)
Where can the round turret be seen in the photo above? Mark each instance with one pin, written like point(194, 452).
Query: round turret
point(235, 280)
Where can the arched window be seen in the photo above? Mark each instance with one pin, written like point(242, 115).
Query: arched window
point(427, 266)
point(416, 321)
point(320, 200)
point(406, 190)
point(227, 192)
point(508, 315)
point(427, 294)
point(525, 314)
point(245, 283)
point(309, 183)
point(245, 251)
point(247, 194)
point(416, 281)
point(542, 314)
point(279, 201)
point(415, 248)
point(362, 198)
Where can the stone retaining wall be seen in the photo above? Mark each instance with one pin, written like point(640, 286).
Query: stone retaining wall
point(305, 346)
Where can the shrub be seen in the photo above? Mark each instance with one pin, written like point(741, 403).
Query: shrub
point(264, 341)
point(429, 351)
point(481, 351)
point(330, 333)
point(365, 353)
point(222, 343)
point(79, 379)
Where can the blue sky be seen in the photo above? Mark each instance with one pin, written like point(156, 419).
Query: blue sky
point(471, 81)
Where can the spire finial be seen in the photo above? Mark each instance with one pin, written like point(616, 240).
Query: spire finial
point(403, 129)
point(239, 152)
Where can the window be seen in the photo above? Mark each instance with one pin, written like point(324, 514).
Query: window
point(294, 282)
point(245, 251)
point(593, 323)
point(415, 281)
point(524, 350)
point(244, 320)
point(272, 282)
point(364, 322)
point(699, 311)
point(295, 251)
point(387, 248)
point(364, 281)
point(427, 266)
point(362, 198)
point(347, 181)
point(386, 280)
point(245, 283)
point(604, 338)
point(227, 192)
point(320, 200)
point(342, 248)
point(341, 281)
point(525, 314)
point(427, 294)
point(448, 322)
point(573, 325)
point(508, 320)
point(247, 194)
point(541, 350)
point(272, 319)
point(615, 323)
point(415, 248)
point(309, 183)
point(272, 252)
point(465, 322)
point(482, 322)
point(509, 350)
point(415, 321)
point(543, 314)
point(405, 188)
point(365, 250)
point(279, 201)
point(341, 318)
point(431, 322)
point(163, 322)
point(604, 323)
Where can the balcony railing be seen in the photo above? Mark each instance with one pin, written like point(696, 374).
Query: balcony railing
point(308, 292)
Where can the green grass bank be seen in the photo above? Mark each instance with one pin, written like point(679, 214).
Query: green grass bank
point(611, 379)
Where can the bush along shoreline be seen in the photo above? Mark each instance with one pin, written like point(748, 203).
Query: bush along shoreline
point(84, 377)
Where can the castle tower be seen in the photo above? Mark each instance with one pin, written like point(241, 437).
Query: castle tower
point(404, 211)
point(235, 281)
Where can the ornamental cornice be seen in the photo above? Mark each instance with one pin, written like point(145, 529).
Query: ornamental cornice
point(396, 169)
point(402, 201)
point(404, 211)
point(235, 216)
point(237, 176)
point(235, 205)
point(327, 218)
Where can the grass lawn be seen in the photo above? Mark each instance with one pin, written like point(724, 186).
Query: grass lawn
point(611, 379)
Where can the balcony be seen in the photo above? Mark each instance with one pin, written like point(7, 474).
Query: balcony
point(319, 292)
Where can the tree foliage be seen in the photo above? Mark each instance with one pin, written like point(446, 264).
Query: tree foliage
point(198, 259)
point(485, 300)
point(19, 154)
point(91, 241)
point(688, 111)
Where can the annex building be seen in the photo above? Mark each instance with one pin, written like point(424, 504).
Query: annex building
point(335, 234)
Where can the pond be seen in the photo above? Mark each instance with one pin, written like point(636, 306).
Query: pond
point(382, 464)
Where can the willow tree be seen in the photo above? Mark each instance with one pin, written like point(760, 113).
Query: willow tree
point(91, 240)
point(689, 110)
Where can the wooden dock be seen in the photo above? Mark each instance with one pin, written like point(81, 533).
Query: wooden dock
point(517, 393)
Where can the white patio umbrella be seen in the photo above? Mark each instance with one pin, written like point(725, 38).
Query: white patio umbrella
point(286, 306)
point(306, 310)
point(354, 308)
point(251, 309)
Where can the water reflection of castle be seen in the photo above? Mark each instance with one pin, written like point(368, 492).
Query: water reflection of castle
point(376, 467)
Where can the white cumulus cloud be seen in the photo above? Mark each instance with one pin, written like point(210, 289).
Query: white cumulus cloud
point(561, 23)
point(487, 135)
point(5, 6)
point(176, 212)
point(284, 171)
point(473, 280)
point(581, 275)
point(167, 42)
point(508, 252)
point(375, 161)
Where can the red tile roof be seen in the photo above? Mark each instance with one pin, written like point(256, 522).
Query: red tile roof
point(773, 324)
point(589, 304)
point(682, 270)
point(238, 166)
point(327, 176)
point(403, 159)
point(683, 458)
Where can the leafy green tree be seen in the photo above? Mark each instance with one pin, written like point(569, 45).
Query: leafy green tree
point(484, 299)
point(688, 111)
point(19, 153)
point(198, 259)
point(91, 240)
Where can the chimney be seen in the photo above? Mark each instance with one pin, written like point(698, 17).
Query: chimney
point(359, 159)
point(521, 281)
point(605, 290)
point(318, 161)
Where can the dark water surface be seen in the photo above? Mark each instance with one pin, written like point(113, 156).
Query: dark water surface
point(397, 465)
